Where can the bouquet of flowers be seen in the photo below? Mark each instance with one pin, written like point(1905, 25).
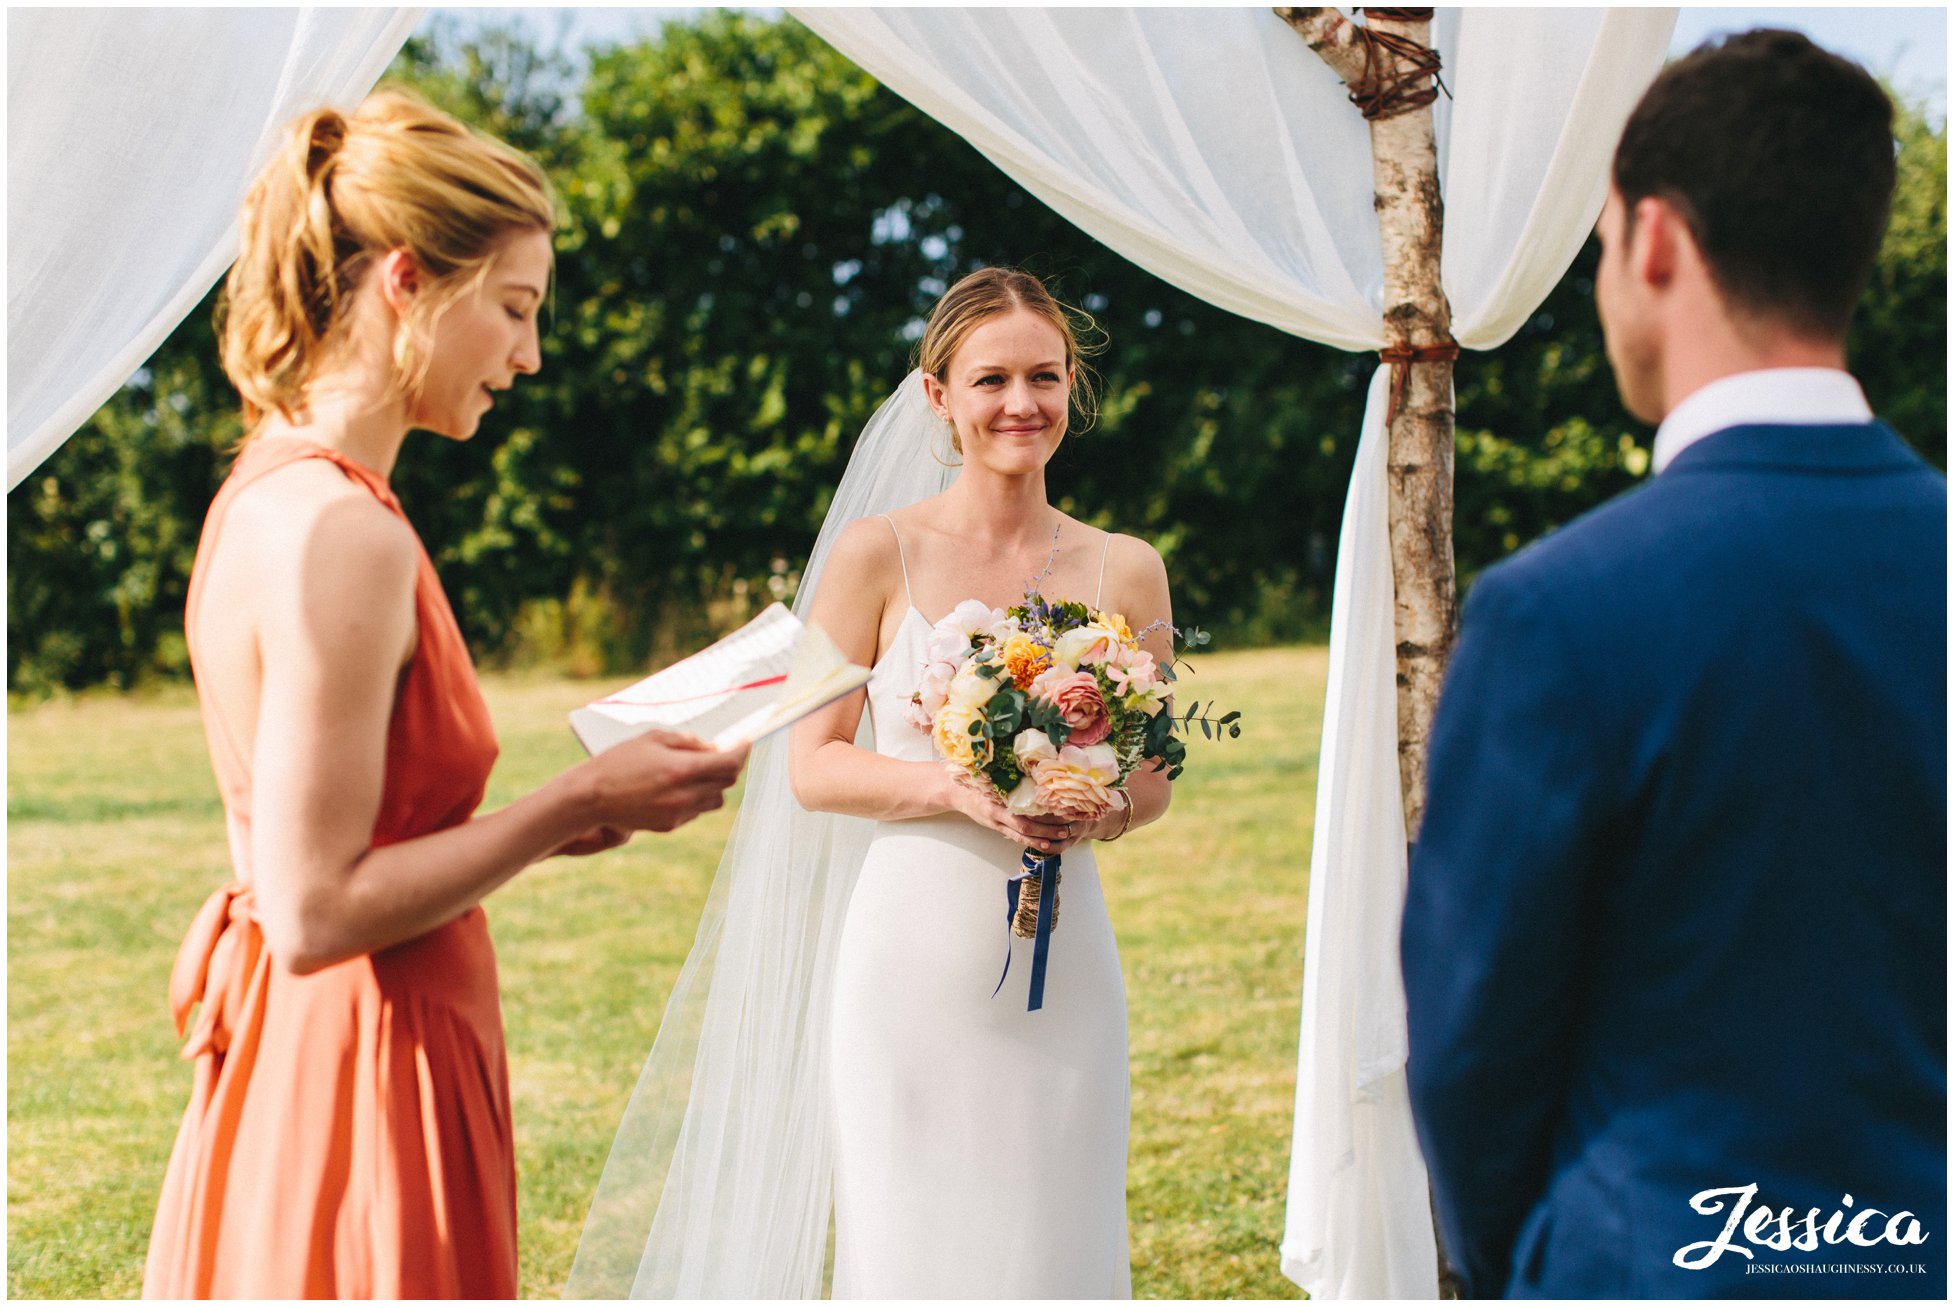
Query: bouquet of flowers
point(1051, 706)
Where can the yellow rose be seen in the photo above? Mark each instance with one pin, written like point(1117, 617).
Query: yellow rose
point(969, 690)
point(953, 738)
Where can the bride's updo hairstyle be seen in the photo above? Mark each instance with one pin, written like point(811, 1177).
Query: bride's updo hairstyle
point(992, 292)
point(341, 191)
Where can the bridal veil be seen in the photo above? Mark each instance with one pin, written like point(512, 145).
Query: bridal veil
point(720, 1179)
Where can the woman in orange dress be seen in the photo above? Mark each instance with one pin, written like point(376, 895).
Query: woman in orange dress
point(348, 1133)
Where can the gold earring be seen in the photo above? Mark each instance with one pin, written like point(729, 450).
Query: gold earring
point(955, 445)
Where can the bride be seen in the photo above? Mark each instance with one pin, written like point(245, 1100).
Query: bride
point(834, 1044)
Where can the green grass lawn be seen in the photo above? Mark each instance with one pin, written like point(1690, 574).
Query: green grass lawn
point(115, 837)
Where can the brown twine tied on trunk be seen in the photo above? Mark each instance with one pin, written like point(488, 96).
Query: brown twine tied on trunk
point(1404, 77)
point(1401, 357)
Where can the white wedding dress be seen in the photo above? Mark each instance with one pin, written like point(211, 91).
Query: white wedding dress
point(831, 1047)
point(980, 1149)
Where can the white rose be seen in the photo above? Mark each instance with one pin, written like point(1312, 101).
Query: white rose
point(1033, 748)
point(946, 644)
point(1082, 644)
point(969, 618)
point(1024, 799)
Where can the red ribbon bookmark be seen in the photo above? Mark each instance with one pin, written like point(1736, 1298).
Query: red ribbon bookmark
point(691, 698)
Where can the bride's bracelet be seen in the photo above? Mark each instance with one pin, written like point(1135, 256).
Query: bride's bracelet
point(1125, 822)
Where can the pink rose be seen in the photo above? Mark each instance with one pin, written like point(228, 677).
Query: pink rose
point(934, 690)
point(1078, 700)
point(1078, 784)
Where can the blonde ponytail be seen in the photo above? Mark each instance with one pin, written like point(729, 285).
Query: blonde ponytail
point(338, 192)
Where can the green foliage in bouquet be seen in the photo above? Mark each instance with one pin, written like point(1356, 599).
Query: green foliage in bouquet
point(1136, 737)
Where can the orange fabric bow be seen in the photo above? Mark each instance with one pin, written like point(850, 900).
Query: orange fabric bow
point(214, 968)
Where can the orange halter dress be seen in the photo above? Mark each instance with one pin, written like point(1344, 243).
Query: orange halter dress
point(349, 1133)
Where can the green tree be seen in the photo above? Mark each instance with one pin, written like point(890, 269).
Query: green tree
point(1543, 436)
point(752, 232)
point(100, 536)
point(756, 242)
point(1898, 348)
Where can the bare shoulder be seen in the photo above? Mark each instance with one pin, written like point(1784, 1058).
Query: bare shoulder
point(1136, 581)
point(865, 555)
point(858, 584)
point(1135, 564)
point(912, 521)
point(309, 506)
point(316, 543)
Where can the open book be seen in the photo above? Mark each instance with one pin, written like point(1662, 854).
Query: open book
point(768, 674)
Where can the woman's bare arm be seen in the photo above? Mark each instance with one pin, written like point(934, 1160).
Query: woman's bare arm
point(1139, 592)
point(332, 598)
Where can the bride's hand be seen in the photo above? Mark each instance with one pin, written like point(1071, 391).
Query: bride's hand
point(1044, 836)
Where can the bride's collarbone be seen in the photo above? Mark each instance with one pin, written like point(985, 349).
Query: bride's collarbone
point(936, 535)
point(935, 600)
point(948, 569)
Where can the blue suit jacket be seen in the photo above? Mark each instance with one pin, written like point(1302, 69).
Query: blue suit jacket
point(1677, 917)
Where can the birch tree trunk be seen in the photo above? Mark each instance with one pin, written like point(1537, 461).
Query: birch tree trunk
point(1418, 339)
point(1417, 321)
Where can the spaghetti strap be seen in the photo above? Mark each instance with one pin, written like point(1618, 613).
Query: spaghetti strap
point(907, 597)
point(1104, 550)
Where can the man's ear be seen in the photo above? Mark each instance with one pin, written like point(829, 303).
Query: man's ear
point(1661, 241)
point(400, 280)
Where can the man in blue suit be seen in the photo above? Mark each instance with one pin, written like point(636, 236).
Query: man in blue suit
point(1675, 940)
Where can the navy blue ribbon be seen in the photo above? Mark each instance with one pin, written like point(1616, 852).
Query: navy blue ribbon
point(1041, 941)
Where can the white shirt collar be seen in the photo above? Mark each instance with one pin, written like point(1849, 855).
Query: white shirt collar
point(1771, 396)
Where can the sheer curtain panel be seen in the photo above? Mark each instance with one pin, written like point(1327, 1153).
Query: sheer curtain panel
point(1213, 148)
point(131, 137)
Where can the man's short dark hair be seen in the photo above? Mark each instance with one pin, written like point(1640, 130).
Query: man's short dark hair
point(1780, 158)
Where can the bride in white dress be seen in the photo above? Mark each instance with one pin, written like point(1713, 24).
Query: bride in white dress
point(980, 1149)
point(835, 1032)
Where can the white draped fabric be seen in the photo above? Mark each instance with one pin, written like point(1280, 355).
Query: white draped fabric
point(1213, 148)
point(132, 135)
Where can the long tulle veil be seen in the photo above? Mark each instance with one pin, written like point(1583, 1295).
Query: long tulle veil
point(720, 1179)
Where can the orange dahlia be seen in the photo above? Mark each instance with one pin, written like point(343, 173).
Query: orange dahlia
point(1026, 658)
